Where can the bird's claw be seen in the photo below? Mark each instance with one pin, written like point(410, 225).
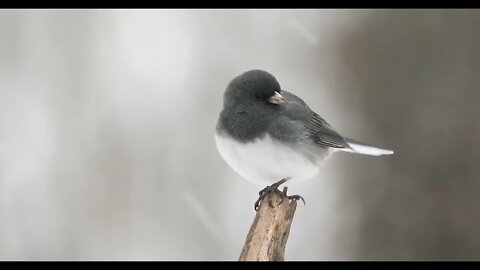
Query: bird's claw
point(292, 197)
point(274, 188)
point(296, 198)
point(266, 192)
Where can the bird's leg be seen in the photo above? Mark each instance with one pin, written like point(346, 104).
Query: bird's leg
point(292, 197)
point(274, 188)
point(267, 190)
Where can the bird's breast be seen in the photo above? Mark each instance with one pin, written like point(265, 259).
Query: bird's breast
point(265, 160)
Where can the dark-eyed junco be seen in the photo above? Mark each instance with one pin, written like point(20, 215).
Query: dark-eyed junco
point(270, 136)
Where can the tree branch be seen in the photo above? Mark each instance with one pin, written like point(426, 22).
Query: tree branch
point(269, 232)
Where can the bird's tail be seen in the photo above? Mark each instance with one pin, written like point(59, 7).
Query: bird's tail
point(365, 149)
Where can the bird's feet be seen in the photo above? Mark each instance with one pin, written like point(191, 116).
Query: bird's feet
point(267, 191)
point(292, 197)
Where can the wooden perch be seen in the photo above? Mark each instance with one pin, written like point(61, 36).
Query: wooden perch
point(268, 234)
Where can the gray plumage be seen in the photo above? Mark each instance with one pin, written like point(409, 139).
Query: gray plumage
point(246, 117)
point(261, 123)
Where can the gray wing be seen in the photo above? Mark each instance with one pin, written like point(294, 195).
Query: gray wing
point(323, 134)
point(315, 128)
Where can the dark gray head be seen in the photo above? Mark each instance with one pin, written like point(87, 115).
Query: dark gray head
point(254, 88)
point(250, 102)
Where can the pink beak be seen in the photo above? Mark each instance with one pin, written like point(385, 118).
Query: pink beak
point(276, 99)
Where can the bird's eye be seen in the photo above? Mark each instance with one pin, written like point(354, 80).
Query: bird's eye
point(263, 96)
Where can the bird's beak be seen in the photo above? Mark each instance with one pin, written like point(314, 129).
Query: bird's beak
point(276, 99)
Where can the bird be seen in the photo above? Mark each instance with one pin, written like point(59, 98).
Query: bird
point(270, 136)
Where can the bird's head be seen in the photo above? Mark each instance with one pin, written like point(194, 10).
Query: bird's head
point(254, 88)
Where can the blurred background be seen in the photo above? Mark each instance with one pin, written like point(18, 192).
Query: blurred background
point(107, 120)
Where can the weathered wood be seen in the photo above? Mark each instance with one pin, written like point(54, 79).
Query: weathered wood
point(269, 232)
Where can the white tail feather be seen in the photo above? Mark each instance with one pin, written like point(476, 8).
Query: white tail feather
point(367, 149)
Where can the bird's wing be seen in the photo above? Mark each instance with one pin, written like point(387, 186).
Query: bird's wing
point(316, 129)
point(323, 134)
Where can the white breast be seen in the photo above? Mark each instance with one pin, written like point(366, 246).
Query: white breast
point(265, 161)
